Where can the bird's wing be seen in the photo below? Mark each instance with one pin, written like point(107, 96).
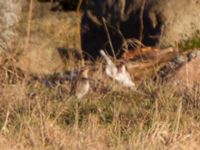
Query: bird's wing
point(108, 60)
point(124, 77)
point(111, 69)
point(82, 88)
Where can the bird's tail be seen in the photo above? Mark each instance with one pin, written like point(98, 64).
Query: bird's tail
point(108, 60)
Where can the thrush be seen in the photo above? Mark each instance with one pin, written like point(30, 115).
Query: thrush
point(119, 73)
point(81, 85)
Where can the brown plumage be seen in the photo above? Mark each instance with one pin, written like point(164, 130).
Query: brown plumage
point(80, 85)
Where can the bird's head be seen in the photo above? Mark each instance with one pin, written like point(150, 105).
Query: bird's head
point(84, 72)
point(121, 65)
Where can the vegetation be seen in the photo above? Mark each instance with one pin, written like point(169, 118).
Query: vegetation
point(190, 44)
point(36, 116)
point(156, 116)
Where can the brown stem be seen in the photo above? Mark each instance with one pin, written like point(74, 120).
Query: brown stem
point(109, 38)
point(141, 20)
point(78, 31)
point(28, 31)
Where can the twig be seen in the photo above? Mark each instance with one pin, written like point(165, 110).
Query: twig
point(177, 125)
point(28, 31)
point(78, 31)
point(4, 128)
point(77, 119)
point(109, 38)
point(141, 20)
point(125, 43)
point(141, 25)
point(79, 6)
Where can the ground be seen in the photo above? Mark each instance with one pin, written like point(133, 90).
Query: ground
point(36, 116)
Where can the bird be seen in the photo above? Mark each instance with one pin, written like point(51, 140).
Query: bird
point(124, 77)
point(80, 85)
point(119, 73)
point(111, 69)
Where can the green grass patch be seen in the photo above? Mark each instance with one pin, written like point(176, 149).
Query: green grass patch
point(190, 44)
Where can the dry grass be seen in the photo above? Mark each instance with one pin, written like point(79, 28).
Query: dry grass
point(43, 36)
point(34, 116)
